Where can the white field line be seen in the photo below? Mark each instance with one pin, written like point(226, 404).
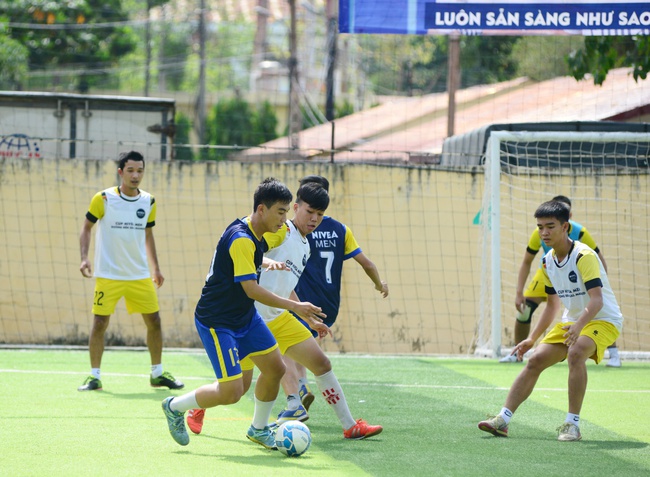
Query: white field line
point(343, 383)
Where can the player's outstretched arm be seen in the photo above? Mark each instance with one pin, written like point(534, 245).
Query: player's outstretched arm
point(371, 270)
point(304, 309)
point(550, 312)
point(269, 264)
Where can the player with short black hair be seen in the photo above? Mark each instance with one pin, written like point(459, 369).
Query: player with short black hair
point(230, 327)
point(575, 277)
point(294, 339)
point(125, 216)
point(528, 300)
point(331, 245)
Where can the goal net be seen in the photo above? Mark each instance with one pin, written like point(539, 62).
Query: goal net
point(605, 174)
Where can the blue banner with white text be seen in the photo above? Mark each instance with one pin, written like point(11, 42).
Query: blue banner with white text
point(482, 17)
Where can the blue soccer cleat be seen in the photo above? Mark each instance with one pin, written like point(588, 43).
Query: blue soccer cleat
point(176, 423)
point(264, 437)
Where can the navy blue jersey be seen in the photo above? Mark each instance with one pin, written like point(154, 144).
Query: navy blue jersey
point(331, 244)
point(238, 257)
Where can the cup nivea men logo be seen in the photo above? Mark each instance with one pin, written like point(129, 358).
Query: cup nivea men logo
point(140, 213)
point(573, 277)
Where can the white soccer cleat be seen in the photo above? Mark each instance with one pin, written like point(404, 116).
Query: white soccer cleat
point(568, 432)
point(510, 358)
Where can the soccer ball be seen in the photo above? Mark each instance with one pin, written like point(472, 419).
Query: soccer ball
point(293, 438)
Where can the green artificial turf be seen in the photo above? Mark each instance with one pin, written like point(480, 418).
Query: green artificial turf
point(429, 408)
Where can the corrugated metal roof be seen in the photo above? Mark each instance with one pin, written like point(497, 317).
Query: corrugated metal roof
point(416, 127)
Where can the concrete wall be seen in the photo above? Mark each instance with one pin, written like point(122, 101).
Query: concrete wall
point(416, 224)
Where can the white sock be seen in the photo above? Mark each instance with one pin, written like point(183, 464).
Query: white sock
point(331, 390)
point(506, 414)
point(95, 373)
point(184, 403)
point(303, 382)
point(613, 352)
point(156, 370)
point(262, 413)
point(573, 418)
point(293, 402)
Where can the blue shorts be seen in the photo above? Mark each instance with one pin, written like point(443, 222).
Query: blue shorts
point(287, 330)
point(225, 347)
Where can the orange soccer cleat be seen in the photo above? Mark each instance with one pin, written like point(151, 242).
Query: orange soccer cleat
point(195, 420)
point(361, 430)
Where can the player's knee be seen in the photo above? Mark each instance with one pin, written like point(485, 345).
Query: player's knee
point(100, 323)
point(276, 372)
point(231, 399)
point(152, 320)
point(232, 395)
point(322, 366)
point(526, 316)
point(578, 353)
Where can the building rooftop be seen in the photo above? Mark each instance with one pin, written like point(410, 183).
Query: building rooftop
point(414, 129)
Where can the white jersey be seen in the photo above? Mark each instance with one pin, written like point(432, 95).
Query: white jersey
point(294, 251)
point(120, 242)
point(580, 271)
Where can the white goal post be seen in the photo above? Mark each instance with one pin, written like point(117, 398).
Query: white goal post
point(606, 176)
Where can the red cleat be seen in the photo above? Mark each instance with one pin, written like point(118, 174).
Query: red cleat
point(195, 420)
point(361, 430)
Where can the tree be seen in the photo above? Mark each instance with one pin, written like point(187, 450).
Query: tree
point(232, 122)
point(175, 51)
point(61, 34)
point(602, 53)
point(416, 64)
point(544, 57)
point(486, 59)
point(182, 151)
point(13, 63)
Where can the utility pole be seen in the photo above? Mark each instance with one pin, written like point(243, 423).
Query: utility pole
point(453, 80)
point(147, 42)
point(162, 66)
point(200, 101)
point(260, 46)
point(295, 116)
point(332, 37)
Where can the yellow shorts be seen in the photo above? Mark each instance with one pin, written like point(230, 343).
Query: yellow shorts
point(288, 331)
point(140, 296)
point(603, 333)
point(536, 287)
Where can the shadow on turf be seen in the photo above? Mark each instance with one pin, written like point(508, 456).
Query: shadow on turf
point(327, 437)
point(604, 445)
point(614, 445)
point(259, 456)
point(265, 459)
point(152, 395)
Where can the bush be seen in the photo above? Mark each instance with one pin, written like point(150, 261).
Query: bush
point(183, 126)
point(232, 122)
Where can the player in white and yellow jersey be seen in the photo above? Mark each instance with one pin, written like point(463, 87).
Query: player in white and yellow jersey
point(575, 277)
point(125, 216)
point(331, 245)
point(527, 301)
point(294, 339)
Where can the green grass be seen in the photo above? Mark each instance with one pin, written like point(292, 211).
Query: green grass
point(429, 408)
